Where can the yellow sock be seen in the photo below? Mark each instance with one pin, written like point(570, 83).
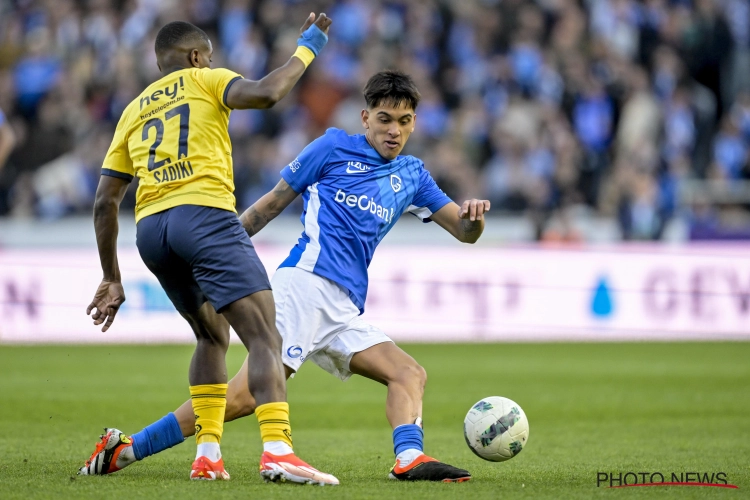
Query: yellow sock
point(273, 419)
point(209, 404)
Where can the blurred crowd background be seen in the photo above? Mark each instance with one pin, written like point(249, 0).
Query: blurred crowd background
point(637, 111)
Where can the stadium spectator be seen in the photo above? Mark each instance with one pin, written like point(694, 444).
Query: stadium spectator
point(547, 105)
point(730, 152)
point(7, 139)
point(36, 73)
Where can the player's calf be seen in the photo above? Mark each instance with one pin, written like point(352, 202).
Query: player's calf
point(240, 403)
point(410, 378)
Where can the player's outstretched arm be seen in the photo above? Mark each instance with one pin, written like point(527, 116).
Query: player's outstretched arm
point(267, 207)
point(466, 222)
point(264, 93)
point(110, 294)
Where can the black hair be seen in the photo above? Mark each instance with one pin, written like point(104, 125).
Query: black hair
point(176, 33)
point(392, 87)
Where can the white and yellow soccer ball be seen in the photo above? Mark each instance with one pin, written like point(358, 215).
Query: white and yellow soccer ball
point(496, 429)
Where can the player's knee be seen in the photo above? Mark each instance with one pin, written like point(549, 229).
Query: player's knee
point(412, 375)
point(271, 336)
point(207, 331)
point(254, 319)
point(259, 333)
point(420, 376)
point(264, 335)
point(214, 337)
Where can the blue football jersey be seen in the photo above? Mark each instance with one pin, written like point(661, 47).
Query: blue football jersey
point(352, 198)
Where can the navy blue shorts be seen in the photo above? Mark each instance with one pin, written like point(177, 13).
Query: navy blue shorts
point(199, 254)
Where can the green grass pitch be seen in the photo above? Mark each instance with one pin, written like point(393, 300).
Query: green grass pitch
point(667, 407)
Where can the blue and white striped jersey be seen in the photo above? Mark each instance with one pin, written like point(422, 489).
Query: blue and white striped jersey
point(352, 198)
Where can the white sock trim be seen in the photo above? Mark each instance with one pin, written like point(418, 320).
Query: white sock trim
point(277, 448)
point(211, 451)
point(408, 456)
point(127, 457)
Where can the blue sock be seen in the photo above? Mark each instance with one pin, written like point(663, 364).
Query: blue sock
point(157, 437)
point(406, 437)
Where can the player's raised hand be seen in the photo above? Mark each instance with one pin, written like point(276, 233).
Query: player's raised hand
point(323, 22)
point(107, 301)
point(473, 209)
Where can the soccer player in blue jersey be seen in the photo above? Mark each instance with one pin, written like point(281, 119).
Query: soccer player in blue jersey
point(354, 188)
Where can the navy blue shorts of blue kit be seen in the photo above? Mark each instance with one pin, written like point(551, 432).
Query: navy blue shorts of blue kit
point(199, 254)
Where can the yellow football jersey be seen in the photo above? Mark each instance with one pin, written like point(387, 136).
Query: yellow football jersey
point(174, 138)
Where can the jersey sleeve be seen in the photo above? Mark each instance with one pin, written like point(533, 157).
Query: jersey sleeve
point(308, 167)
point(118, 163)
point(429, 197)
point(2, 117)
point(218, 81)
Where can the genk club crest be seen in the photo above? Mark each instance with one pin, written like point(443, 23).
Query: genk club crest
point(396, 183)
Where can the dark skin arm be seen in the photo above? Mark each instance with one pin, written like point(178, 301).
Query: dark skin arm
point(110, 294)
point(466, 222)
point(264, 93)
point(267, 207)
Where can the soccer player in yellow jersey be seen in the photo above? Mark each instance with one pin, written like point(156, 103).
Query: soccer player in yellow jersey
point(174, 138)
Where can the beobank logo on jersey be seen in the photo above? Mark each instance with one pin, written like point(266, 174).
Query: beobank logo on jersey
point(364, 203)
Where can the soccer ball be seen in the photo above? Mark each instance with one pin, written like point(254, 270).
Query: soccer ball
point(496, 429)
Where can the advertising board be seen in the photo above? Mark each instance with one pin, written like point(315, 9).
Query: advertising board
point(428, 294)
